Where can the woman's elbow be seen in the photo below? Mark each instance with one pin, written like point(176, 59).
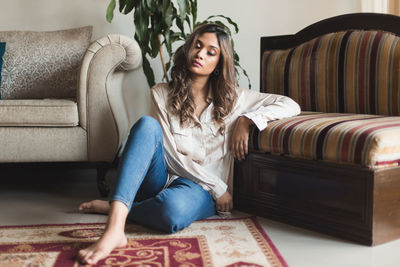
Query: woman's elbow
point(293, 106)
point(296, 108)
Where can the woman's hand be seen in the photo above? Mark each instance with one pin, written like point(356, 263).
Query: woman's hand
point(224, 202)
point(240, 138)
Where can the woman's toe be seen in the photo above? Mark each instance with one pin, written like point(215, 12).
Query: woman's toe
point(87, 206)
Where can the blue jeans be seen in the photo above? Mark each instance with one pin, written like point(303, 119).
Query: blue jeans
point(142, 175)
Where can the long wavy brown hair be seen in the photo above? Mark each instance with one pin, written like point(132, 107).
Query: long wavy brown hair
point(222, 82)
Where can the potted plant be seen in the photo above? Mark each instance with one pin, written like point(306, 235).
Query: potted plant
point(155, 22)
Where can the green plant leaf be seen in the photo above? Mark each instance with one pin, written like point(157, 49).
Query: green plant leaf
point(148, 71)
point(130, 5)
point(167, 42)
point(245, 74)
point(187, 19)
point(151, 5)
point(183, 6)
point(164, 6)
point(110, 11)
point(168, 15)
point(179, 23)
point(227, 29)
point(176, 36)
point(122, 4)
point(141, 18)
point(154, 44)
point(236, 56)
point(230, 21)
point(193, 8)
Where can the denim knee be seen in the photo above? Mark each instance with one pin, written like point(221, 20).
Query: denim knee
point(173, 216)
point(177, 213)
point(149, 125)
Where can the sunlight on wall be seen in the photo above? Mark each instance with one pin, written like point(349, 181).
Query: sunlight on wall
point(381, 6)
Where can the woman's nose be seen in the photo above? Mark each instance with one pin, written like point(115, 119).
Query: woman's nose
point(201, 53)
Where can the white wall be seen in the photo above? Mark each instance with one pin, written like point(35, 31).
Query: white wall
point(378, 6)
point(255, 18)
point(271, 17)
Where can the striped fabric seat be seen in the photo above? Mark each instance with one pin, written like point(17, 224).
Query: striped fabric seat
point(350, 82)
point(349, 71)
point(366, 140)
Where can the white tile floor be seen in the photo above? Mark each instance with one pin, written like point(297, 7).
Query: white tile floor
point(42, 196)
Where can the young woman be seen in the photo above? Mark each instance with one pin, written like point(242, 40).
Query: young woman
point(178, 167)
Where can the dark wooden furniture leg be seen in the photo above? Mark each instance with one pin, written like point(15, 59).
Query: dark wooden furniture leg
point(102, 185)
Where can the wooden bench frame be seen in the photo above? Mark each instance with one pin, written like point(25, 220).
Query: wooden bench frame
point(350, 202)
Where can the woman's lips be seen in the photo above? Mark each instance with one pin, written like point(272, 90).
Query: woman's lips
point(196, 63)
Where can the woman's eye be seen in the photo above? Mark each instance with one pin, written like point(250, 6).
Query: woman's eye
point(211, 54)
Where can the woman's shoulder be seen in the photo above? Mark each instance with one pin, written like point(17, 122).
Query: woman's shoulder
point(240, 90)
point(246, 92)
point(243, 92)
point(160, 89)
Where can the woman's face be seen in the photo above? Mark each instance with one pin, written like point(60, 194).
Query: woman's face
point(205, 55)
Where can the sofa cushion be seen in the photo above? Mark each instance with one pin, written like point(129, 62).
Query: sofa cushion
point(366, 140)
point(45, 112)
point(2, 50)
point(43, 144)
point(43, 64)
point(350, 71)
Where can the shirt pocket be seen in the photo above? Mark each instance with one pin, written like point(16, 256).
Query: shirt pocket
point(182, 138)
point(218, 144)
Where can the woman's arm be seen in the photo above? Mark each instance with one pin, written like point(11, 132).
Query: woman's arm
point(258, 108)
point(240, 137)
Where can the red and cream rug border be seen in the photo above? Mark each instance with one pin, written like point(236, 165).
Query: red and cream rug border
point(206, 232)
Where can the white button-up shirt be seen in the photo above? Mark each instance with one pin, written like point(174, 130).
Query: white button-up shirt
point(202, 154)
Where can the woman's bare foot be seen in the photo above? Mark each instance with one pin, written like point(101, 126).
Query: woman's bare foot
point(95, 206)
point(113, 237)
point(110, 240)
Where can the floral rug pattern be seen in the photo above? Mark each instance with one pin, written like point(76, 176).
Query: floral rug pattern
point(214, 242)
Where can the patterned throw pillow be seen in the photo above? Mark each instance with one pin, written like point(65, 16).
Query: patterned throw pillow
point(43, 64)
point(2, 50)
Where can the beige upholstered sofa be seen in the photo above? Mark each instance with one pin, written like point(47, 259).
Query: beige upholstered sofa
point(62, 97)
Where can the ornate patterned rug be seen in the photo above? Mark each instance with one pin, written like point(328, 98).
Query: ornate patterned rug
point(213, 242)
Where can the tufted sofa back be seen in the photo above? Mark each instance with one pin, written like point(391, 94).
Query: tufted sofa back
point(352, 71)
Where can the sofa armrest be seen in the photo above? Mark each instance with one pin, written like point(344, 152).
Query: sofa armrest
point(102, 112)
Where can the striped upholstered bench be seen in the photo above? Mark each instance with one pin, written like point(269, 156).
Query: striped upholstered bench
point(335, 167)
point(361, 140)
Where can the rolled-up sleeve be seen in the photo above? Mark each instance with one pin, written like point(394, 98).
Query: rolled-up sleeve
point(262, 107)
